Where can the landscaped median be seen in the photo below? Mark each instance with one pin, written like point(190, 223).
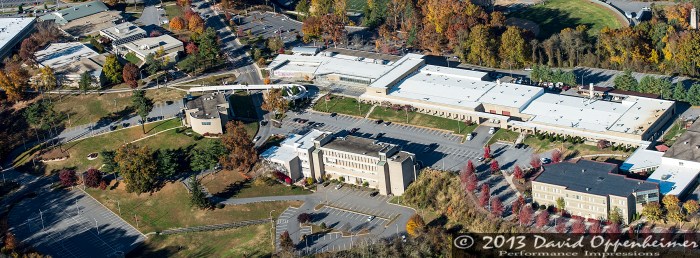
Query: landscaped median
point(342, 105)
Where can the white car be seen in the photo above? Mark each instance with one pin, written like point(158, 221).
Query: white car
point(338, 186)
point(370, 218)
point(257, 138)
point(470, 136)
point(492, 130)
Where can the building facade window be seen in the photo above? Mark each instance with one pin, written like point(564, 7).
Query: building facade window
point(206, 123)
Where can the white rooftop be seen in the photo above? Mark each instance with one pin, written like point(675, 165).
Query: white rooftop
point(122, 30)
point(279, 154)
point(511, 95)
point(145, 46)
point(11, 27)
point(305, 141)
point(642, 158)
point(597, 115)
point(58, 55)
point(673, 179)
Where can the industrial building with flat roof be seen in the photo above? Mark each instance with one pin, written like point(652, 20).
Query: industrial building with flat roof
point(123, 33)
point(207, 114)
point(592, 189)
point(354, 160)
point(12, 32)
point(70, 60)
point(145, 46)
point(680, 165)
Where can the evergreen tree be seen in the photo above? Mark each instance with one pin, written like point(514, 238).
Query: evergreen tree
point(679, 92)
point(197, 196)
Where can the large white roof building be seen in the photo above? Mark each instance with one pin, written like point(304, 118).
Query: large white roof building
point(12, 31)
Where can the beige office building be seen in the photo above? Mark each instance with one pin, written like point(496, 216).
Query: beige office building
point(356, 160)
point(592, 189)
point(207, 114)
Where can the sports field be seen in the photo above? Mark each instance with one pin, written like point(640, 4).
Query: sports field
point(555, 15)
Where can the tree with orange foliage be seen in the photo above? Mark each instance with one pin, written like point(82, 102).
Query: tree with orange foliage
point(241, 149)
point(177, 24)
point(196, 24)
point(415, 225)
point(311, 28)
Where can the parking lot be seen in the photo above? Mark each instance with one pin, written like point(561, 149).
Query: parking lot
point(268, 25)
point(346, 209)
point(71, 224)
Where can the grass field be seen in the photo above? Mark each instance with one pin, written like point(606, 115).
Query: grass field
point(555, 15)
point(79, 150)
point(229, 184)
point(419, 119)
point(570, 150)
point(215, 80)
point(503, 135)
point(170, 208)
point(89, 108)
point(250, 241)
point(342, 105)
point(131, 57)
point(673, 133)
point(172, 10)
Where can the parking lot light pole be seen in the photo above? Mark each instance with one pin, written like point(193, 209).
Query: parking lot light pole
point(41, 215)
point(272, 236)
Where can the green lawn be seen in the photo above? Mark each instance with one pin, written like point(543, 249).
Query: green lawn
point(570, 150)
point(419, 119)
point(215, 80)
point(555, 15)
point(249, 241)
point(673, 133)
point(504, 135)
point(172, 11)
point(131, 57)
point(170, 208)
point(342, 105)
point(228, 184)
point(79, 150)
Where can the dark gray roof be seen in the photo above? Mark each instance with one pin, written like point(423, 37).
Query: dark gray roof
point(357, 145)
point(66, 15)
point(592, 177)
point(687, 147)
point(207, 105)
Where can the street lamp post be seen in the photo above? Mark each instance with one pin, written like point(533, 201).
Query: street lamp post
point(272, 236)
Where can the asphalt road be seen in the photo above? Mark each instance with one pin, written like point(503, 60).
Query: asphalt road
point(152, 15)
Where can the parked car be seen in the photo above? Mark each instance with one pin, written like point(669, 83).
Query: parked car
point(334, 114)
point(480, 158)
point(319, 124)
point(470, 136)
point(370, 218)
point(387, 123)
point(545, 160)
point(296, 119)
point(492, 130)
point(257, 138)
point(354, 130)
point(519, 146)
point(338, 186)
point(263, 122)
point(373, 194)
point(379, 121)
point(311, 123)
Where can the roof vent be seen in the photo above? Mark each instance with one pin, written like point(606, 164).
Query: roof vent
point(588, 189)
point(600, 178)
point(686, 142)
point(583, 171)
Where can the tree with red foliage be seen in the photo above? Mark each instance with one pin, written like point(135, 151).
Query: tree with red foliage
point(191, 48)
point(518, 173)
point(595, 228)
point(487, 152)
point(103, 185)
point(515, 207)
point(560, 225)
point(67, 177)
point(464, 176)
point(470, 166)
point(130, 73)
point(495, 168)
point(281, 51)
point(93, 178)
point(485, 195)
point(535, 162)
point(556, 156)
point(188, 14)
point(578, 227)
point(525, 215)
point(613, 231)
point(472, 182)
point(497, 207)
point(10, 241)
point(542, 219)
